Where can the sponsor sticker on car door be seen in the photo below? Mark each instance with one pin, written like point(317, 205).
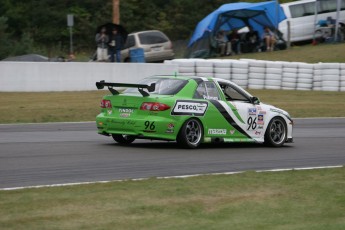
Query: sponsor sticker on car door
point(185, 107)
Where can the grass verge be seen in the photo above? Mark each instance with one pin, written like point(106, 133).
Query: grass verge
point(305, 53)
point(310, 199)
point(84, 106)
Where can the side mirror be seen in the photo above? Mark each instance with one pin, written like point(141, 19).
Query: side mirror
point(255, 100)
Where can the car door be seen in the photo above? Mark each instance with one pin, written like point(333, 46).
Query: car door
point(214, 126)
point(247, 115)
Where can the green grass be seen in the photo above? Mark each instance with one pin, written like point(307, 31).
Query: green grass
point(306, 53)
point(84, 106)
point(305, 103)
point(49, 107)
point(311, 199)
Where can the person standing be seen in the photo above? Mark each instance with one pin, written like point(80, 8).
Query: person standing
point(102, 40)
point(115, 45)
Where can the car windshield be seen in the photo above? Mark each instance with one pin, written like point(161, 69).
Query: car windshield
point(164, 86)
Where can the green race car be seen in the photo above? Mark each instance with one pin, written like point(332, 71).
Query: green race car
point(191, 111)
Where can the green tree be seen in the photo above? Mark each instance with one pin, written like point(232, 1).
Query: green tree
point(42, 24)
point(4, 39)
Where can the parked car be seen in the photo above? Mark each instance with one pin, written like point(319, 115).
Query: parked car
point(191, 111)
point(157, 46)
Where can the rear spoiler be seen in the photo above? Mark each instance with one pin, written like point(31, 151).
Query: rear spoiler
point(141, 87)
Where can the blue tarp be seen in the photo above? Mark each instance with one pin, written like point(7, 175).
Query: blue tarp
point(238, 15)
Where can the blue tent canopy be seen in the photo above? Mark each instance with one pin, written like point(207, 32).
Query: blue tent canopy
point(238, 15)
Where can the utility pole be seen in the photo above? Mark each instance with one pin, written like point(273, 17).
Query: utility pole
point(116, 12)
point(70, 24)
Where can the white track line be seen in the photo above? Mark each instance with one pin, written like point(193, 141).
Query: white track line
point(168, 177)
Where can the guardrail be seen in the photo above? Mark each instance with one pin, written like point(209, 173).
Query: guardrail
point(258, 74)
point(73, 76)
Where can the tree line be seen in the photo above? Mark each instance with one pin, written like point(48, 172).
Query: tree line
point(28, 26)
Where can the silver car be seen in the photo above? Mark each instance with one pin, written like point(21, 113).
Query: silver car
point(157, 46)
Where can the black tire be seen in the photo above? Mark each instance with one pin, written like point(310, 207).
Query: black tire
point(123, 139)
point(191, 134)
point(276, 132)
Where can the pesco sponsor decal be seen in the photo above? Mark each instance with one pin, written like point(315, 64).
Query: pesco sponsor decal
point(184, 107)
point(217, 131)
point(252, 111)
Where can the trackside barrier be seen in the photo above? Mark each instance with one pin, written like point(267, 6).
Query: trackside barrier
point(258, 74)
point(73, 76)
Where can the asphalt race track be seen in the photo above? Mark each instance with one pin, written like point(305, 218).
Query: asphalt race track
point(56, 153)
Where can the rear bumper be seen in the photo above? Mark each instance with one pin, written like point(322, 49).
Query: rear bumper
point(147, 128)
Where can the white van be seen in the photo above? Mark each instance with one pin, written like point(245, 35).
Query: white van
point(301, 15)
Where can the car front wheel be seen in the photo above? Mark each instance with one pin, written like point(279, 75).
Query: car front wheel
point(191, 133)
point(123, 139)
point(275, 134)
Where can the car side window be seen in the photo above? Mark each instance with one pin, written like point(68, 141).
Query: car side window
point(232, 94)
point(207, 90)
point(130, 42)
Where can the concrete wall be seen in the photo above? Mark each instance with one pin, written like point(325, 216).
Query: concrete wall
point(73, 76)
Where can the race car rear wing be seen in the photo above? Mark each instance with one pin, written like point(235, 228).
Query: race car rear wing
point(141, 87)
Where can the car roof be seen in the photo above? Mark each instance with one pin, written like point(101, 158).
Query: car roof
point(145, 31)
point(181, 77)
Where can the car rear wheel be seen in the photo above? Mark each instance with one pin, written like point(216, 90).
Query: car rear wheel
point(191, 133)
point(123, 139)
point(275, 134)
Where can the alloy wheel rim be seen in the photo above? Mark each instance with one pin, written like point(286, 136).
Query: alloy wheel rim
point(277, 131)
point(193, 132)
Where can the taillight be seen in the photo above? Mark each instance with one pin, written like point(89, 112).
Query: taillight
point(154, 106)
point(106, 104)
